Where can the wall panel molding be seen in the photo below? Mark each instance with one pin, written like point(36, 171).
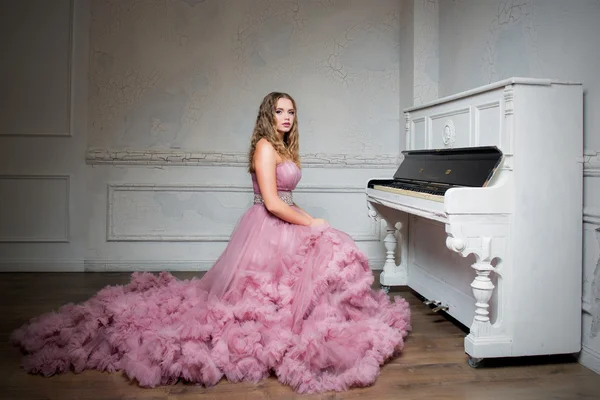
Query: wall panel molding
point(591, 169)
point(7, 129)
point(218, 159)
point(373, 234)
point(591, 163)
point(61, 237)
point(591, 216)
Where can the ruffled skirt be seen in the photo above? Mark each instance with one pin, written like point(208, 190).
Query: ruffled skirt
point(284, 299)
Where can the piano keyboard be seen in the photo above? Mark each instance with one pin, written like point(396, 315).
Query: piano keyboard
point(412, 193)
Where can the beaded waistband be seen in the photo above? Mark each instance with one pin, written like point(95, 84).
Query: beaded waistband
point(283, 195)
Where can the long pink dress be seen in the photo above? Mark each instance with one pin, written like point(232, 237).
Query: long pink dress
point(285, 299)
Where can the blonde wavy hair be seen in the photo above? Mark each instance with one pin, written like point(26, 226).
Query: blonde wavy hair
point(266, 127)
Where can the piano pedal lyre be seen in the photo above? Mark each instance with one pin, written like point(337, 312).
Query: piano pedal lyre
point(440, 308)
point(438, 305)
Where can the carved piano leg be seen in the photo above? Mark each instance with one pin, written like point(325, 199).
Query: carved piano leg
point(392, 274)
point(390, 243)
point(484, 339)
point(482, 290)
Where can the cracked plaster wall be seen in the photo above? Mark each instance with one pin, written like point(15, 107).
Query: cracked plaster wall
point(174, 90)
point(482, 41)
point(426, 51)
point(189, 75)
point(419, 52)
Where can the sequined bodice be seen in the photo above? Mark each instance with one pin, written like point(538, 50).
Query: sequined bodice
point(287, 175)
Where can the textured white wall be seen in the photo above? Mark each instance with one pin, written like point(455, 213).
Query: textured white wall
point(419, 52)
point(174, 90)
point(145, 167)
point(43, 134)
point(189, 75)
point(481, 41)
point(426, 51)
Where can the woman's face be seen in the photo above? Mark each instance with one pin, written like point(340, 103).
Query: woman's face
point(284, 115)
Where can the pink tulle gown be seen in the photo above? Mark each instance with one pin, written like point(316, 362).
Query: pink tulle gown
point(285, 299)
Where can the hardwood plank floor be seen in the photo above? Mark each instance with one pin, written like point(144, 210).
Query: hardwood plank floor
point(432, 366)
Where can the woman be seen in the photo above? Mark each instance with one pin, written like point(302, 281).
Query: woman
point(289, 295)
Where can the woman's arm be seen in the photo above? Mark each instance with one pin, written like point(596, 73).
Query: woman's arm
point(265, 164)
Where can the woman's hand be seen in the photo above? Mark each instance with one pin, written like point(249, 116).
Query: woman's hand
point(317, 222)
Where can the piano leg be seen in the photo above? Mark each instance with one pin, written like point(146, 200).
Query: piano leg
point(482, 290)
point(475, 362)
point(487, 242)
point(393, 274)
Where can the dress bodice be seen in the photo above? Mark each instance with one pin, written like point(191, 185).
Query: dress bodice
point(287, 175)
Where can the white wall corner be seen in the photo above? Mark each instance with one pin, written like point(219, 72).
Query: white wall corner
point(590, 358)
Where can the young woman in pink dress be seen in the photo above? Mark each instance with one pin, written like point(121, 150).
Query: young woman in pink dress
point(290, 295)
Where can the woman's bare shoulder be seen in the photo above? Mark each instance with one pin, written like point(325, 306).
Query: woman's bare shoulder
point(263, 145)
point(265, 149)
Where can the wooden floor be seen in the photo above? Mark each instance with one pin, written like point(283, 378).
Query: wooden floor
point(433, 365)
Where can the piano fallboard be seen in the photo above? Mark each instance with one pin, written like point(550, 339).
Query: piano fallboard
point(435, 171)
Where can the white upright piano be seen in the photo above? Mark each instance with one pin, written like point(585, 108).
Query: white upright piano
point(501, 254)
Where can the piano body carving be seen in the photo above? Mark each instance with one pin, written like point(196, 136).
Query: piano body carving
point(502, 256)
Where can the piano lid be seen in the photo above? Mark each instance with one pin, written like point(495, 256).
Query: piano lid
point(466, 166)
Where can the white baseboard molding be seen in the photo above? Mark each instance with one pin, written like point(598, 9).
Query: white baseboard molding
point(147, 265)
point(590, 358)
point(119, 265)
point(41, 265)
point(168, 265)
